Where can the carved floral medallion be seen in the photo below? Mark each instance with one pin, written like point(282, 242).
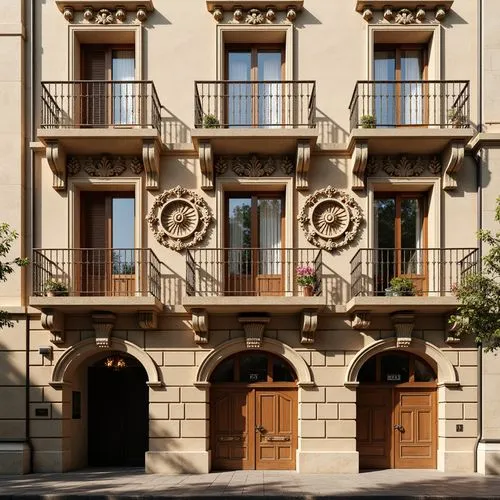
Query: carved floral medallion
point(330, 218)
point(179, 218)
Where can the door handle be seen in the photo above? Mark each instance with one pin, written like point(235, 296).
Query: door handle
point(399, 427)
point(259, 428)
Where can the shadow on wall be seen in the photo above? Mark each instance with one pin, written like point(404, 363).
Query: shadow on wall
point(329, 131)
point(174, 130)
point(336, 289)
point(173, 286)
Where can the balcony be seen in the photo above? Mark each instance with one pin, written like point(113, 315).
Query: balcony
point(251, 280)
point(434, 272)
point(93, 117)
point(96, 279)
point(262, 117)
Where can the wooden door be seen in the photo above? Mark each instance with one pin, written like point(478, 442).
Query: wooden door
point(253, 428)
point(275, 423)
point(373, 427)
point(415, 433)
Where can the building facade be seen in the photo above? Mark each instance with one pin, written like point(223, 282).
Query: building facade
point(245, 222)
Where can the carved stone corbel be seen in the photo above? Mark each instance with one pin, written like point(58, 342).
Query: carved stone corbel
point(56, 157)
point(361, 320)
point(403, 325)
point(199, 320)
point(147, 320)
point(303, 163)
point(53, 320)
point(309, 323)
point(103, 323)
point(453, 159)
point(151, 160)
point(254, 327)
point(206, 165)
point(358, 165)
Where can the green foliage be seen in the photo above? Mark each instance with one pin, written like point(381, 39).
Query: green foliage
point(57, 286)
point(479, 295)
point(456, 117)
point(402, 286)
point(210, 121)
point(7, 238)
point(368, 121)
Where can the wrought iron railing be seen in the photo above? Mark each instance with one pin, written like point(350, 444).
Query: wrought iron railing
point(250, 271)
point(243, 104)
point(121, 272)
point(100, 104)
point(433, 271)
point(410, 103)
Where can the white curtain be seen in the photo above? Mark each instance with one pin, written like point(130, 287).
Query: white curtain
point(385, 99)
point(123, 69)
point(239, 94)
point(270, 94)
point(411, 93)
point(270, 236)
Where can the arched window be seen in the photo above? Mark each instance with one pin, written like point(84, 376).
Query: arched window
point(253, 367)
point(396, 368)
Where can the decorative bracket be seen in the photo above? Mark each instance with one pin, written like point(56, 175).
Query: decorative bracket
point(303, 163)
point(199, 319)
point(103, 323)
point(206, 165)
point(403, 324)
point(53, 320)
point(56, 156)
point(254, 327)
point(453, 159)
point(358, 165)
point(309, 323)
point(151, 160)
point(361, 320)
point(147, 320)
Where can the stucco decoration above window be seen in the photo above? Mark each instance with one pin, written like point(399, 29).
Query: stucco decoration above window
point(403, 11)
point(254, 165)
point(330, 218)
point(404, 165)
point(104, 165)
point(254, 12)
point(105, 11)
point(179, 218)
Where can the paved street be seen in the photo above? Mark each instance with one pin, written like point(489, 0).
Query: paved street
point(133, 483)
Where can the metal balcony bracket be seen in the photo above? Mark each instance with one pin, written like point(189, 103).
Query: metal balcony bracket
point(56, 157)
point(453, 159)
point(206, 165)
point(358, 166)
point(199, 320)
point(53, 321)
point(303, 163)
point(361, 320)
point(254, 327)
point(147, 320)
point(309, 323)
point(403, 323)
point(151, 160)
point(103, 324)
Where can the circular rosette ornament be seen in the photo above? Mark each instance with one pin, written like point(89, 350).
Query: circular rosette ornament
point(179, 218)
point(330, 218)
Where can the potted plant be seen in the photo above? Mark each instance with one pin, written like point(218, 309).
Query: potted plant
point(368, 121)
point(401, 286)
point(456, 117)
point(210, 121)
point(55, 287)
point(306, 278)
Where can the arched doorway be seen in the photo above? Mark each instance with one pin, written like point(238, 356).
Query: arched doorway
point(396, 412)
point(253, 413)
point(117, 411)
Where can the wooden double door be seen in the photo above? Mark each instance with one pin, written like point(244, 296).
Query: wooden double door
point(253, 427)
point(396, 427)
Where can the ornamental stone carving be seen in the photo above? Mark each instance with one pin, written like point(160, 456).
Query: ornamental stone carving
point(104, 16)
point(179, 218)
point(330, 218)
point(404, 165)
point(404, 16)
point(104, 165)
point(74, 13)
point(254, 16)
point(254, 166)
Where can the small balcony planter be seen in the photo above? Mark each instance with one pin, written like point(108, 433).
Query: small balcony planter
point(368, 121)
point(55, 288)
point(401, 287)
point(306, 278)
point(210, 121)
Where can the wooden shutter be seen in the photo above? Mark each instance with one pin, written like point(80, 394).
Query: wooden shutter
point(94, 93)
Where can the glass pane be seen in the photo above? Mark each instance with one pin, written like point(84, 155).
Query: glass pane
point(123, 235)
point(411, 230)
point(269, 213)
point(240, 237)
point(368, 372)
point(239, 93)
point(224, 372)
point(385, 93)
point(123, 69)
point(385, 223)
point(253, 368)
point(282, 372)
point(423, 372)
point(411, 92)
point(270, 94)
point(395, 368)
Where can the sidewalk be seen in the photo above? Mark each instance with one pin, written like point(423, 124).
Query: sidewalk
point(133, 483)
